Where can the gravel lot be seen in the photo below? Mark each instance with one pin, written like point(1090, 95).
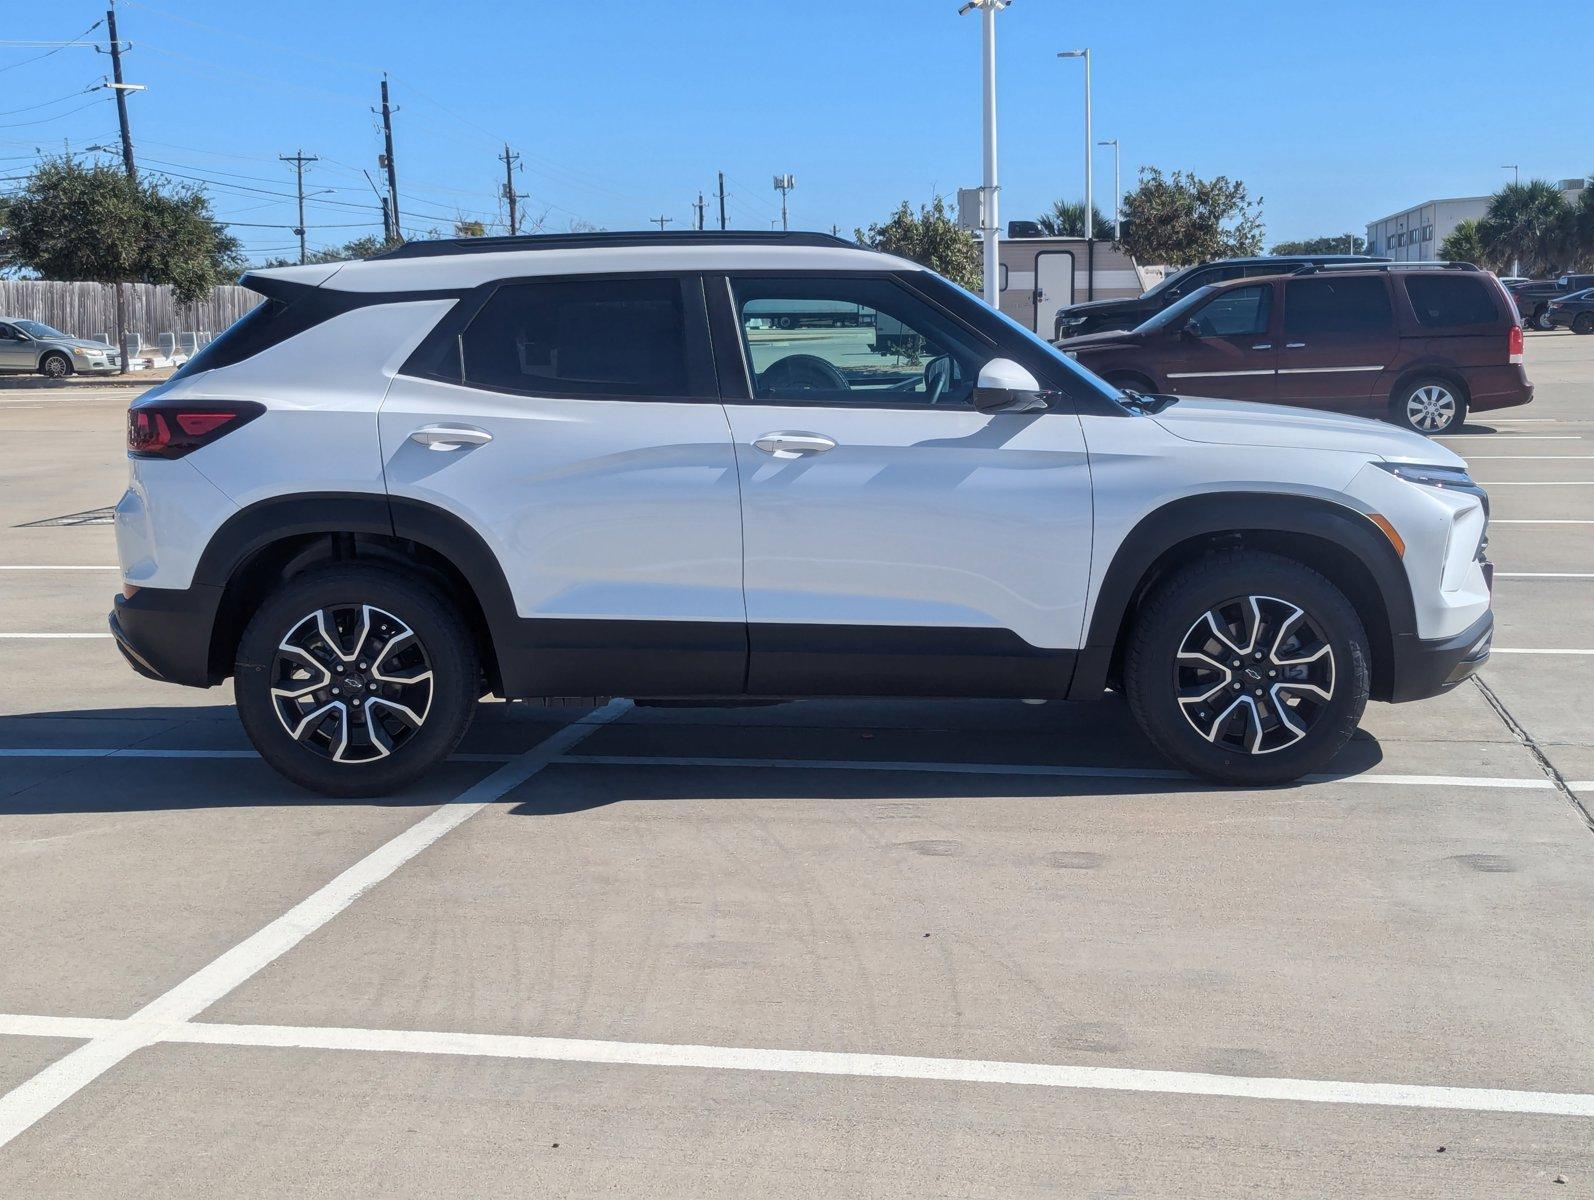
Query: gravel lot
point(863, 949)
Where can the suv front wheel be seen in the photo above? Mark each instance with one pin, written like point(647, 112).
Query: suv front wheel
point(1248, 668)
point(354, 680)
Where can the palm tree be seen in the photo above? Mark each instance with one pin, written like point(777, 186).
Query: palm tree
point(1463, 244)
point(1066, 218)
point(1583, 228)
point(1530, 224)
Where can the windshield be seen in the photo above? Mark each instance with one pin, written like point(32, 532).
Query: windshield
point(1167, 282)
point(1175, 312)
point(38, 329)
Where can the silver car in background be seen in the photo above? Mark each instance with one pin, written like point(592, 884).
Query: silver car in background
point(32, 346)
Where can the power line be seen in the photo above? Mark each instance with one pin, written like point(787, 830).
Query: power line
point(58, 100)
point(47, 120)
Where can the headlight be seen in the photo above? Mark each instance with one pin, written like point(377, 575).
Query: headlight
point(1450, 479)
point(84, 351)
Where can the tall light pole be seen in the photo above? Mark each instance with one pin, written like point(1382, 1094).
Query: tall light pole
point(1117, 190)
point(988, 215)
point(1090, 199)
point(1516, 263)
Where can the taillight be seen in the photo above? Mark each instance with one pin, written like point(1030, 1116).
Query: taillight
point(173, 428)
point(1516, 344)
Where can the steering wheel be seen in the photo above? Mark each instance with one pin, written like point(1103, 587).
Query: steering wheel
point(801, 372)
point(937, 377)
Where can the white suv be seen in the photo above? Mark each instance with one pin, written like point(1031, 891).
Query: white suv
point(597, 465)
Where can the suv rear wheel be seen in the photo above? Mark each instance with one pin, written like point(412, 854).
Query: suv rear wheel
point(1430, 405)
point(354, 681)
point(1247, 668)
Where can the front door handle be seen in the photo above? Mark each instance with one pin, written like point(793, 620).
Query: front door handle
point(1263, 346)
point(794, 445)
point(450, 437)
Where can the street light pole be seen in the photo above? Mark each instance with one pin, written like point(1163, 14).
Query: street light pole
point(1117, 190)
point(1516, 263)
point(1090, 199)
point(988, 222)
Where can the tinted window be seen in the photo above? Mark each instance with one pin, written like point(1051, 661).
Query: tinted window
point(589, 337)
point(1325, 305)
point(842, 340)
point(1236, 313)
point(1441, 300)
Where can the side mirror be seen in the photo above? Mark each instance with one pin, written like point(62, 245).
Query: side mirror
point(1004, 386)
point(1190, 331)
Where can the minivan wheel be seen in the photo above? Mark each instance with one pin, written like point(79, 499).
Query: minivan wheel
point(55, 366)
point(1583, 323)
point(354, 680)
point(1247, 668)
point(1430, 405)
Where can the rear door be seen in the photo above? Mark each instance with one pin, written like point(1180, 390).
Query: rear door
point(1223, 347)
point(1338, 339)
point(575, 424)
point(898, 540)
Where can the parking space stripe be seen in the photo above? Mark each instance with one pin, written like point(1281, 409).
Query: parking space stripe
point(141, 752)
point(1525, 650)
point(855, 1065)
point(52, 636)
point(38, 1096)
point(1544, 575)
point(52, 567)
point(1538, 521)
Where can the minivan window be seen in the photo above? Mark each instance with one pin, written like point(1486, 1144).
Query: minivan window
point(584, 337)
point(1444, 300)
point(1238, 312)
point(1327, 305)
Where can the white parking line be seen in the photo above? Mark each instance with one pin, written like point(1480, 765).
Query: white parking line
point(1538, 521)
point(47, 636)
point(1544, 574)
point(1524, 650)
point(1535, 482)
point(821, 1062)
point(30, 1101)
point(51, 567)
point(1529, 457)
point(1510, 437)
point(140, 752)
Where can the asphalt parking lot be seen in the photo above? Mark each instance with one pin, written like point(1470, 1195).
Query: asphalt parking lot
point(872, 949)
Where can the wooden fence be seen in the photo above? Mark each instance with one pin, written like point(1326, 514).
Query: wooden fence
point(89, 309)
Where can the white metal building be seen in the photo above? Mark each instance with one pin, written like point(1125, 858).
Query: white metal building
point(1041, 275)
point(1414, 234)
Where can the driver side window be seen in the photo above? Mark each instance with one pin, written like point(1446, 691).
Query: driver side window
point(1240, 312)
point(859, 341)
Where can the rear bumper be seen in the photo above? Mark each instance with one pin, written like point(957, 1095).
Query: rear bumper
point(1498, 387)
point(164, 633)
point(1429, 668)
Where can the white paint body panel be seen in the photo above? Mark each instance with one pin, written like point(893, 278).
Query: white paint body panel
point(919, 518)
point(594, 508)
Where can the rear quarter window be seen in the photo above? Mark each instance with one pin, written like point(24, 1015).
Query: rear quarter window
point(1447, 301)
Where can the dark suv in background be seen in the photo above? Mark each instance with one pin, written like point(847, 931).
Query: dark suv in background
point(1418, 345)
point(1533, 296)
point(1097, 315)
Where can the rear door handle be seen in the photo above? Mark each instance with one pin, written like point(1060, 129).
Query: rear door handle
point(1295, 345)
point(794, 445)
point(450, 437)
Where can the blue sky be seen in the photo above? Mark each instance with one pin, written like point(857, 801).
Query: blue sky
point(1334, 114)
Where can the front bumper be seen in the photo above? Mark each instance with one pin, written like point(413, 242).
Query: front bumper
point(1429, 668)
point(165, 633)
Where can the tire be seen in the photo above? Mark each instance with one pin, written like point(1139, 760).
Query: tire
point(785, 322)
point(55, 365)
point(424, 666)
point(1541, 319)
point(1429, 405)
point(1583, 323)
point(1291, 729)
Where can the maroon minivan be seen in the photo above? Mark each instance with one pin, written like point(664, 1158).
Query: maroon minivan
point(1420, 345)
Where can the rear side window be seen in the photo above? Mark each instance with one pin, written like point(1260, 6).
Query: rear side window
point(588, 337)
point(1327, 305)
point(258, 329)
point(1445, 300)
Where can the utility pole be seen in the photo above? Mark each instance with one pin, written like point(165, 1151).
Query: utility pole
point(989, 229)
point(121, 90)
point(298, 160)
point(722, 201)
point(387, 220)
point(387, 161)
point(662, 222)
point(783, 185)
point(700, 206)
point(509, 160)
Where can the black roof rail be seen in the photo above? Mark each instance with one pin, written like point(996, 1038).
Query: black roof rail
point(1314, 268)
point(440, 247)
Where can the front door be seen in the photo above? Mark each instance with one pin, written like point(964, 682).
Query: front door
point(576, 426)
point(1222, 347)
point(1339, 335)
point(898, 541)
point(1054, 288)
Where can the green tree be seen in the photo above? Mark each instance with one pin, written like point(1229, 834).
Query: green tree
point(78, 221)
point(1345, 243)
point(1583, 229)
point(464, 227)
point(931, 238)
point(1066, 218)
point(1182, 219)
point(1529, 224)
point(364, 247)
point(1463, 244)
